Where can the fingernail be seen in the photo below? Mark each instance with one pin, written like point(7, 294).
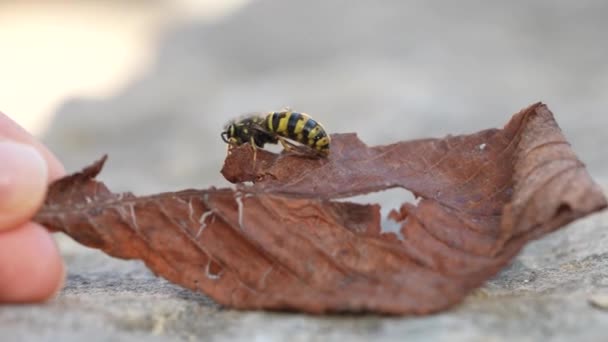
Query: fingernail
point(23, 178)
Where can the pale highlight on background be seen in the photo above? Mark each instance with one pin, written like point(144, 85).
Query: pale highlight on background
point(52, 51)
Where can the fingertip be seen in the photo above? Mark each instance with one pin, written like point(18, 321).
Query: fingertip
point(10, 130)
point(55, 168)
point(31, 269)
point(23, 183)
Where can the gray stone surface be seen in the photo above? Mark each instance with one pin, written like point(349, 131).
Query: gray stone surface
point(389, 70)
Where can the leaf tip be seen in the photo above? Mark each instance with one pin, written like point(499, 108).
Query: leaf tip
point(94, 169)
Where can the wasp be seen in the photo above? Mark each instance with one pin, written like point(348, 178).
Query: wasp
point(283, 126)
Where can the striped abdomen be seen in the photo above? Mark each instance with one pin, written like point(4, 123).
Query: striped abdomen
point(299, 127)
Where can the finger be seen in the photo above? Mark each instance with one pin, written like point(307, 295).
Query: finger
point(23, 183)
point(31, 269)
point(10, 130)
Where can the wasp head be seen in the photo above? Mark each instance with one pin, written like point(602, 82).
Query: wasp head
point(236, 133)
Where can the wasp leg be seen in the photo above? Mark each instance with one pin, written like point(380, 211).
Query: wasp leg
point(255, 150)
point(289, 147)
point(297, 149)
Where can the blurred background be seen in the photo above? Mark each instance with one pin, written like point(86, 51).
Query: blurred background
point(153, 82)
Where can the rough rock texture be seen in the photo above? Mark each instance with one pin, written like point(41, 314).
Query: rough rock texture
point(406, 69)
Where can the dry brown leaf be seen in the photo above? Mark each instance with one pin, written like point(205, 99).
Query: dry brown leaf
point(284, 244)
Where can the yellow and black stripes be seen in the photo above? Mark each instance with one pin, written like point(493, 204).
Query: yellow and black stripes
point(275, 127)
point(299, 127)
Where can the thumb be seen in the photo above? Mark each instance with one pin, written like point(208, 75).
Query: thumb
point(23, 182)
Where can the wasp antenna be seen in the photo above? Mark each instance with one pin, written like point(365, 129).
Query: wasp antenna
point(224, 136)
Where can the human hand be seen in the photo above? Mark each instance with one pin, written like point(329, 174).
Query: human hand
point(31, 268)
